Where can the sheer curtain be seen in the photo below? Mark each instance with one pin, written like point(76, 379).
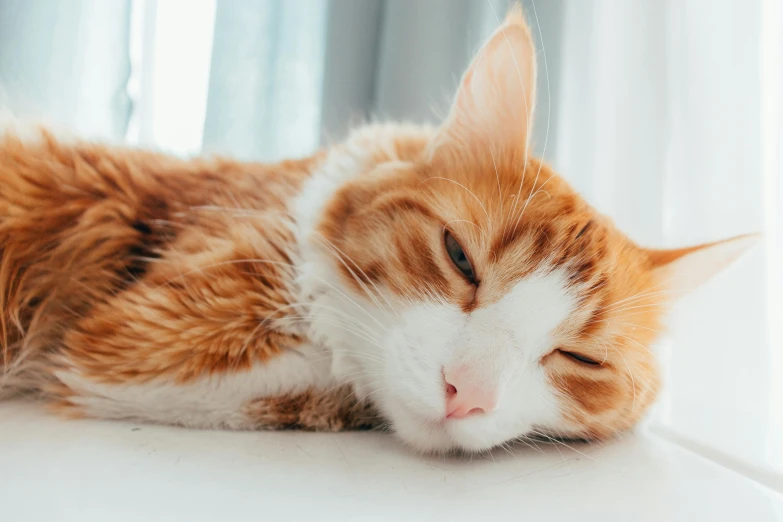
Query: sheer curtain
point(258, 79)
point(664, 114)
point(670, 121)
point(241, 78)
point(66, 63)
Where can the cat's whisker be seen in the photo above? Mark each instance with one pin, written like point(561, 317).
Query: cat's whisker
point(637, 304)
point(505, 446)
point(546, 135)
point(363, 328)
point(592, 417)
point(347, 382)
point(489, 221)
point(446, 225)
point(606, 348)
point(358, 333)
point(555, 441)
point(631, 339)
point(529, 443)
point(643, 313)
point(339, 254)
point(528, 111)
point(312, 306)
point(639, 299)
point(488, 451)
point(623, 323)
point(642, 294)
point(376, 390)
point(648, 293)
point(548, 86)
point(531, 196)
point(347, 327)
point(370, 357)
point(630, 374)
point(497, 178)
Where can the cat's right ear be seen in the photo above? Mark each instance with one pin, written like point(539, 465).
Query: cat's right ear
point(682, 270)
point(494, 105)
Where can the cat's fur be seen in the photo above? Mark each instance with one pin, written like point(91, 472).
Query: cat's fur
point(318, 293)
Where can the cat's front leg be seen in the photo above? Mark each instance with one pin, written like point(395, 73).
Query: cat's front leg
point(334, 409)
point(275, 393)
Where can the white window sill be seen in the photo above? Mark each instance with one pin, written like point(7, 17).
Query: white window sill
point(90, 470)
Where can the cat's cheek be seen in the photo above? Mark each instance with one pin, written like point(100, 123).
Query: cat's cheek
point(596, 404)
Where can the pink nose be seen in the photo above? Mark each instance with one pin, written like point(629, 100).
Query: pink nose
point(465, 396)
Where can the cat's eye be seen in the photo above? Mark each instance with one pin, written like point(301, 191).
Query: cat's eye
point(458, 257)
point(580, 358)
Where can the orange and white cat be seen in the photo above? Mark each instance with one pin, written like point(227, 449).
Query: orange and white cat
point(440, 281)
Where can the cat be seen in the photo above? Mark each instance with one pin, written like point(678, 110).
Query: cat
point(439, 282)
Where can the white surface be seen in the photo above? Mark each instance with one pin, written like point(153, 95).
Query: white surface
point(57, 470)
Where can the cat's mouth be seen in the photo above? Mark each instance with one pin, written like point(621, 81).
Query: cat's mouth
point(444, 434)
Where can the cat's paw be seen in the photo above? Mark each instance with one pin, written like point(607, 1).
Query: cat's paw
point(315, 410)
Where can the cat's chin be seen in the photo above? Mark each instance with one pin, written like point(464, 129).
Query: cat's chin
point(438, 436)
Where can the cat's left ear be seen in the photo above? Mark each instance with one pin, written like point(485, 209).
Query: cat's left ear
point(684, 269)
point(494, 105)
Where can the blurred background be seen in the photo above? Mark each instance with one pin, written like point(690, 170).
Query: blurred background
point(665, 114)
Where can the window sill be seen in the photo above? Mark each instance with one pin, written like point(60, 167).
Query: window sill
point(90, 470)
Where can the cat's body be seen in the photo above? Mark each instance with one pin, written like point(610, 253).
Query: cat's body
point(334, 292)
point(141, 286)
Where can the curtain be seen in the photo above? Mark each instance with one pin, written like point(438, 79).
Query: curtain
point(665, 114)
point(66, 63)
point(670, 122)
point(257, 79)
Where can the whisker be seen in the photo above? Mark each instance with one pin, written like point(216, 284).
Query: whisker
point(489, 221)
point(342, 254)
point(556, 441)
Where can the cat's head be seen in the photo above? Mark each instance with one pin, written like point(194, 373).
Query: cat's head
point(471, 294)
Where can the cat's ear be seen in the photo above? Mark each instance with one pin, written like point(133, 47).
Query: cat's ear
point(494, 104)
point(684, 269)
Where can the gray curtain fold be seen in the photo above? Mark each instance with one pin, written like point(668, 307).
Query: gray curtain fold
point(266, 78)
point(285, 76)
point(398, 59)
point(350, 58)
point(402, 59)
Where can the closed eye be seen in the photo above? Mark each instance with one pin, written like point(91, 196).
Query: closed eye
point(459, 258)
point(578, 357)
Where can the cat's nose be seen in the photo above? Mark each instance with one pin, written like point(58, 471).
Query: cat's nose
point(466, 395)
